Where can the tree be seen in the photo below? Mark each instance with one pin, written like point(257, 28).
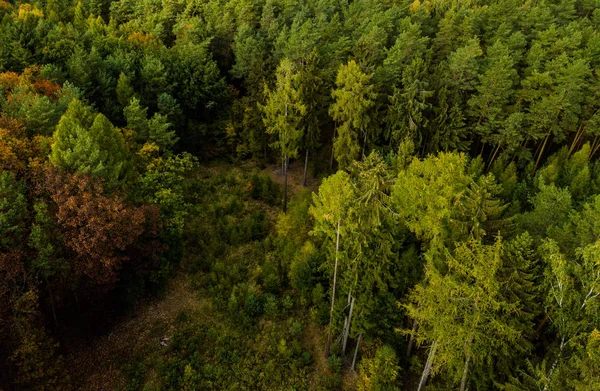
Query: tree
point(407, 111)
point(490, 105)
point(88, 144)
point(463, 314)
point(380, 372)
point(283, 113)
point(124, 90)
point(330, 208)
point(156, 130)
point(311, 85)
point(98, 230)
point(426, 194)
point(353, 100)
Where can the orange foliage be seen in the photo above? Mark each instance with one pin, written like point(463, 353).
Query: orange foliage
point(30, 78)
point(46, 87)
point(14, 145)
point(102, 231)
point(9, 80)
point(4, 4)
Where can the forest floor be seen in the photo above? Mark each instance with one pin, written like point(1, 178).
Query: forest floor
point(103, 362)
point(99, 364)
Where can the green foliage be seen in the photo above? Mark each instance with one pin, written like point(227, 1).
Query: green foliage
point(380, 373)
point(88, 144)
point(13, 212)
point(467, 302)
point(353, 99)
point(156, 130)
point(486, 112)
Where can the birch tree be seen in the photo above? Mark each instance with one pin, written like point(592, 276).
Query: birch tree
point(330, 209)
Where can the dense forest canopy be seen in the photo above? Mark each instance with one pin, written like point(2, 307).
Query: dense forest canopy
point(452, 240)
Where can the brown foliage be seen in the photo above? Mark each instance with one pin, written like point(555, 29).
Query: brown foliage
point(30, 78)
point(46, 87)
point(102, 231)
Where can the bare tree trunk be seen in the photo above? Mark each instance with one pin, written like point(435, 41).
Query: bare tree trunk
point(356, 352)
point(494, 156)
point(541, 153)
point(411, 340)
point(576, 139)
point(337, 247)
point(463, 382)
point(286, 161)
point(346, 318)
point(427, 368)
point(347, 331)
point(305, 169)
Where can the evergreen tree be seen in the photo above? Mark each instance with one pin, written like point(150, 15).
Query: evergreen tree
point(283, 113)
point(353, 100)
point(89, 145)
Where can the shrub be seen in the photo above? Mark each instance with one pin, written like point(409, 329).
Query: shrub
point(254, 306)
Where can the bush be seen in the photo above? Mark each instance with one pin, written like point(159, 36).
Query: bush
point(380, 373)
point(262, 187)
point(335, 363)
point(254, 306)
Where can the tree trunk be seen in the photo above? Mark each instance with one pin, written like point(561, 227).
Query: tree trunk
point(332, 144)
point(305, 169)
point(427, 368)
point(576, 139)
point(337, 247)
point(463, 382)
point(346, 318)
point(494, 156)
point(347, 328)
point(364, 145)
point(540, 154)
point(52, 302)
point(286, 161)
point(411, 340)
point(356, 352)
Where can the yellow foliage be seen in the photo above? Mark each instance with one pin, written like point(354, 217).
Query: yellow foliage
point(139, 37)
point(415, 6)
point(27, 9)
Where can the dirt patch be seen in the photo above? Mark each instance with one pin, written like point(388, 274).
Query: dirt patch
point(98, 366)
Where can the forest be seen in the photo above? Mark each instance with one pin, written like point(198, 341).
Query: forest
point(371, 195)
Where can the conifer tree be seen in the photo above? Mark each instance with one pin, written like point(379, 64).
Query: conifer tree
point(90, 145)
point(353, 100)
point(283, 113)
point(489, 105)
